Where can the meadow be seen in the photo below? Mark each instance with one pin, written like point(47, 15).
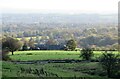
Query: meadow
point(50, 54)
point(85, 69)
point(90, 70)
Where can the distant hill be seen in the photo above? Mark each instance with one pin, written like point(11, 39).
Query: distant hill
point(59, 18)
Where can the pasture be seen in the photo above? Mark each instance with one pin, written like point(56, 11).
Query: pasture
point(91, 70)
point(85, 69)
point(50, 55)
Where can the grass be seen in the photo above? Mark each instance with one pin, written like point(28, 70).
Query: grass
point(48, 55)
point(83, 69)
point(44, 55)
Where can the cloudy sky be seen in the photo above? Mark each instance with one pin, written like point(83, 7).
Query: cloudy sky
point(59, 6)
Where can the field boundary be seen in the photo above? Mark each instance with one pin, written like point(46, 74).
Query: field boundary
point(51, 61)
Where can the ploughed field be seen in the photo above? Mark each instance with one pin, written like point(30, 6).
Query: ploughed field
point(35, 64)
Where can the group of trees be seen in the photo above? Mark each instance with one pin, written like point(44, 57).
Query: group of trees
point(102, 42)
point(12, 44)
point(109, 61)
point(86, 35)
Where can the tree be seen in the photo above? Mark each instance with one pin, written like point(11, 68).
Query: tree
point(11, 44)
point(2, 55)
point(71, 44)
point(109, 62)
point(52, 42)
point(37, 39)
point(86, 53)
point(31, 43)
point(25, 47)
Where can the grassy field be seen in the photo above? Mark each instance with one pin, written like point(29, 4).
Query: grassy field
point(93, 70)
point(83, 69)
point(48, 55)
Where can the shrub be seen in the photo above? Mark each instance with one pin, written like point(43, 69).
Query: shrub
point(86, 53)
point(110, 63)
point(5, 57)
point(29, 54)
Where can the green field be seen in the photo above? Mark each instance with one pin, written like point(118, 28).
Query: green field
point(48, 55)
point(83, 69)
point(93, 70)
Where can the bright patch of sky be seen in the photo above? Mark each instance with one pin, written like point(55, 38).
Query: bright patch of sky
point(59, 6)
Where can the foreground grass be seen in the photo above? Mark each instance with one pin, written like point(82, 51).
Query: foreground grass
point(50, 54)
point(83, 69)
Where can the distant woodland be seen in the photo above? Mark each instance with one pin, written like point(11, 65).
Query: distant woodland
point(48, 30)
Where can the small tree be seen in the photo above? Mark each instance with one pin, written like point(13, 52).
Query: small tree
point(71, 44)
point(109, 62)
point(11, 44)
point(25, 47)
point(86, 53)
point(31, 43)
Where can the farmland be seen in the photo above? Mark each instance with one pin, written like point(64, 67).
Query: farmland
point(86, 69)
point(59, 45)
point(53, 54)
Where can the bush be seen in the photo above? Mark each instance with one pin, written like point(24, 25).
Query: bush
point(86, 53)
point(29, 54)
point(110, 63)
point(5, 57)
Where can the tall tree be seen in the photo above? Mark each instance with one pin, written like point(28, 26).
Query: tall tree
point(11, 44)
point(71, 44)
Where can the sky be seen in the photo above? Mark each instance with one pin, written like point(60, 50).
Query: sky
point(59, 6)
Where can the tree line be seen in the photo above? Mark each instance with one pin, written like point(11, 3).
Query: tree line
point(108, 60)
point(12, 44)
point(104, 37)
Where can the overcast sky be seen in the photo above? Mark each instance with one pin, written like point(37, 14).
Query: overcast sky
point(60, 6)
